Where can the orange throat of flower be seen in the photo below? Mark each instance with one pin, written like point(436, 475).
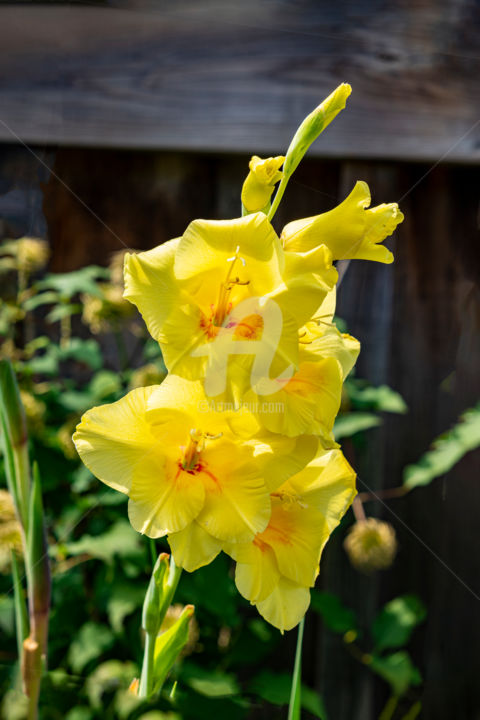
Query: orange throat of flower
point(191, 460)
point(221, 309)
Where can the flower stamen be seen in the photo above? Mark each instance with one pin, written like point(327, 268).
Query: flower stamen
point(196, 445)
point(222, 306)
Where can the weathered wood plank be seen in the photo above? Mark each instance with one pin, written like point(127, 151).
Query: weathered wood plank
point(240, 76)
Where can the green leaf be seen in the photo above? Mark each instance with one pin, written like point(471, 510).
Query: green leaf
point(75, 401)
point(274, 688)
point(397, 670)
point(84, 351)
point(336, 616)
point(123, 600)
point(13, 434)
point(90, 642)
point(119, 540)
point(446, 451)
point(381, 399)
point(46, 364)
point(197, 588)
point(46, 298)
point(104, 383)
point(38, 565)
point(396, 621)
point(313, 703)
point(80, 713)
point(109, 676)
point(78, 281)
point(211, 683)
point(59, 312)
point(7, 614)
point(348, 424)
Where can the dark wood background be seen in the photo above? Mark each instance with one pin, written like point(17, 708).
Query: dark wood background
point(131, 111)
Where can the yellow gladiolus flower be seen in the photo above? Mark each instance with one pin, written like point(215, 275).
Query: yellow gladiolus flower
point(276, 569)
point(224, 294)
point(350, 231)
point(260, 182)
point(309, 401)
point(181, 463)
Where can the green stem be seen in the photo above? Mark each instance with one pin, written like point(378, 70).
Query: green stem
point(146, 678)
point(278, 197)
point(296, 692)
point(389, 709)
point(65, 331)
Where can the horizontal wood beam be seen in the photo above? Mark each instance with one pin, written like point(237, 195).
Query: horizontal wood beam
point(231, 77)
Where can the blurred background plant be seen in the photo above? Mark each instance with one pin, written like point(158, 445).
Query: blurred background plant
point(73, 343)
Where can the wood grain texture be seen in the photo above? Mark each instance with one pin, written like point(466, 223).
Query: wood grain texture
point(240, 76)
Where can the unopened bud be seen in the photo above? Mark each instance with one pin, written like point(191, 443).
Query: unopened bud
point(260, 182)
point(313, 125)
point(371, 545)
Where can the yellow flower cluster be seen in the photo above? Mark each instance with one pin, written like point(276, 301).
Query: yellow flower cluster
point(234, 451)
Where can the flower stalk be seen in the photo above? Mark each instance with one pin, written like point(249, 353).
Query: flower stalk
point(32, 632)
point(296, 692)
point(308, 131)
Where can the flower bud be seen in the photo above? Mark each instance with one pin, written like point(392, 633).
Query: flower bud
point(371, 545)
point(313, 125)
point(260, 183)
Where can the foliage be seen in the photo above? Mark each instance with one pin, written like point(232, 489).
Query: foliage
point(447, 450)
point(362, 404)
point(392, 628)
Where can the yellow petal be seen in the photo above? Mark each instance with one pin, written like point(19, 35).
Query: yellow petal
point(326, 310)
point(112, 439)
point(150, 284)
point(164, 498)
point(209, 245)
point(329, 342)
point(328, 485)
point(307, 403)
point(280, 457)
point(208, 416)
point(285, 606)
point(193, 548)
point(295, 533)
point(257, 579)
point(349, 230)
point(237, 503)
point(308, 278)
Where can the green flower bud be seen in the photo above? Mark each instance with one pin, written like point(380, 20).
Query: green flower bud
point(313, 125)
